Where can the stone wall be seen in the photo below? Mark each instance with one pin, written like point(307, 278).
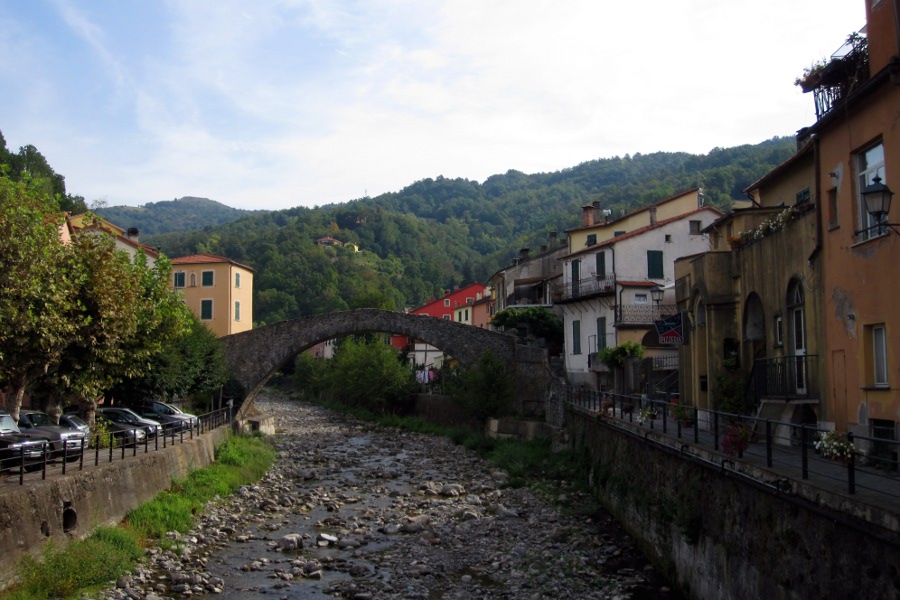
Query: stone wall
point(719, 531)
point(70, 506)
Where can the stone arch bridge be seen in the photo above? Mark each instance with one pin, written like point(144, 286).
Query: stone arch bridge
point(254, 356)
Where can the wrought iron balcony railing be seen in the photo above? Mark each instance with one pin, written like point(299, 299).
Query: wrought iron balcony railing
point(583, 288)
point(786, 378)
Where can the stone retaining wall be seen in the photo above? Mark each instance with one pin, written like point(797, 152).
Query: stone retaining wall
point(721, 532)
point(70, 506)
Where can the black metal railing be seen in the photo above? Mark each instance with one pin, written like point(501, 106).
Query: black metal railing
point(35, 458)
point(786, 377)
point(581, 288)
point(853, 462)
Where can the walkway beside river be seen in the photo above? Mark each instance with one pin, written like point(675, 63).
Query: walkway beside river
point(353, 510)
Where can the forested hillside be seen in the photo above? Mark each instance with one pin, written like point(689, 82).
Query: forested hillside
point(441, 232)
point(181, 214)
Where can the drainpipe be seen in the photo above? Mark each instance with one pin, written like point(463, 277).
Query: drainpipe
point(817, 159)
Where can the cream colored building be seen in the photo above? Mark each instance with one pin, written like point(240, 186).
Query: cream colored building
point(218, 290)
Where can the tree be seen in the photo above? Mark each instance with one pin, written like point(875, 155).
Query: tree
point(485, 389)
point(37, 298)
point(540, 321)
point(368, 374)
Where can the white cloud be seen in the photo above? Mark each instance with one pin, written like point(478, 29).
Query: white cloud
point(315, 101)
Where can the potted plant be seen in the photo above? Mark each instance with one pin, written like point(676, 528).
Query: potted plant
point(835, 445)
point(682, 413)
point(736, 439)
point(648, 413)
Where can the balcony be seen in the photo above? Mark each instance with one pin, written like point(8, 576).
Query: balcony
point(786, 378)
point(585, 288)
point(844, 73)
point(643, 314)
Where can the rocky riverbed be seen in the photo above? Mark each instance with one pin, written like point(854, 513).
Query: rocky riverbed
point(353, 510)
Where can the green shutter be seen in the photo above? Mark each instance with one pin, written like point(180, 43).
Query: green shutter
point(655, 264)
point(601, 333)
point(576, 337)
point(601, 264)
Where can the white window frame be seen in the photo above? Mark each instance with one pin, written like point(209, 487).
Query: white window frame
point(237, 310)
point(869, 164)
point(641, 298)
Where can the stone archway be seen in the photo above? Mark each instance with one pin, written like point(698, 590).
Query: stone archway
point(254, 356)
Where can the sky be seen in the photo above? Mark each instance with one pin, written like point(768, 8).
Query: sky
point(284, 103)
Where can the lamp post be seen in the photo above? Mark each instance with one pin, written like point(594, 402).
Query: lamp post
point(877, 200)
point(656, 293)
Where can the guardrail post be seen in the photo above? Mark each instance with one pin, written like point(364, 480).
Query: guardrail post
point(65, 456)
point(696, 425)
point(111, 447)
point(97, 450)
point(851, 467)
point(44, 456)
point(124, 440)
point(22, 464)
point(716, 429)
point(768, 443)
point(804, 455)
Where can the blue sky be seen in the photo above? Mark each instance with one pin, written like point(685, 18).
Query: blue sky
point(281, 103)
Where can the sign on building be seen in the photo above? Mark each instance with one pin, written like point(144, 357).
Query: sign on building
point(670, 330)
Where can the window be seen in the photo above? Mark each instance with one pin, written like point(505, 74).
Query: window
point(803, 196)
point(206, 278)
point(237, 280)
point(869, 164)
point(469, 300)
point(591, 239)
point(655, 264)
point(618, 233)
point(466, 316)
point(601, 333)
point(641, 299)
point(446, 301)
point(879, 355)
point(668, 239)
point(601, 264)
point(237, 311)
point(779, 331)
point(206, 310)
point(179, 279)
point(576, 337)
point(695, 227)
point(832, 208)
point(447, 317)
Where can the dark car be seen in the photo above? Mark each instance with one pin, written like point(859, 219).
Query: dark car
point(122, 432)
point(63, 440)
point(15, 445)
point(126, 416)
point(169, 416)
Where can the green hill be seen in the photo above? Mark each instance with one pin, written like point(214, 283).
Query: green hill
point(181, 214)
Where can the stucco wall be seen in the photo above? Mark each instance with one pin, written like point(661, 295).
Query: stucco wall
point(721, 535)
point(33, 514)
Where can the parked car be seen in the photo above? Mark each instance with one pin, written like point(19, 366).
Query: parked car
point(73, 421)
point(14, 445)
point(126, 416)
point(170, 417)
point(124, 433)
point(63, 440)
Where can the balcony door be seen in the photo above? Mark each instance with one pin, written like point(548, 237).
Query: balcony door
point(576, 277)
point(798, 339)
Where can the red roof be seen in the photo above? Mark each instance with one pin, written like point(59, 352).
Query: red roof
point(205, 259)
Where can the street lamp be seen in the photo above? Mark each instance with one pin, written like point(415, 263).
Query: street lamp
point(877, 200)
point(656, 294)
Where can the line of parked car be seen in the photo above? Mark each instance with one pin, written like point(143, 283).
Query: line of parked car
point(35, 435)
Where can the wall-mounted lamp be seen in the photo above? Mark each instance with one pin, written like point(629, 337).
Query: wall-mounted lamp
point(877, 199)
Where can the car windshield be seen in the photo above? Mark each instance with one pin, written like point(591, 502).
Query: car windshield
point(76, 421)
point(38, 419)
point(164, 409)
point(7, 424)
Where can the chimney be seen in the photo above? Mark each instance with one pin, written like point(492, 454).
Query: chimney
point(523, 253)
point(543, 249)
point(552, 243)
point(653, 215)
point(132, 234)
point(596, 217)
point(586, 212)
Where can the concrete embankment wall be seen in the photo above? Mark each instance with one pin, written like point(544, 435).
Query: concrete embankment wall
point(735, 531)
point(70, 506)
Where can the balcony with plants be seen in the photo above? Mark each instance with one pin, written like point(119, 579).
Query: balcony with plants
point(832, 81)
point(584, 288)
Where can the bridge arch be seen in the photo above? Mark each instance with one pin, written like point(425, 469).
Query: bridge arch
point(254, 356)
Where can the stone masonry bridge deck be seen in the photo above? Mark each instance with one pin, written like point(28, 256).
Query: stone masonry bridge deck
point(254, 356)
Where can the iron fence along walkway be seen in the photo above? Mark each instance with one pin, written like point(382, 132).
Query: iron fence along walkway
point(818, 456)
point(28, 465)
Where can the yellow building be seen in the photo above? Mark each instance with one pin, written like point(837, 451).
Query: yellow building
point(218, 290)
